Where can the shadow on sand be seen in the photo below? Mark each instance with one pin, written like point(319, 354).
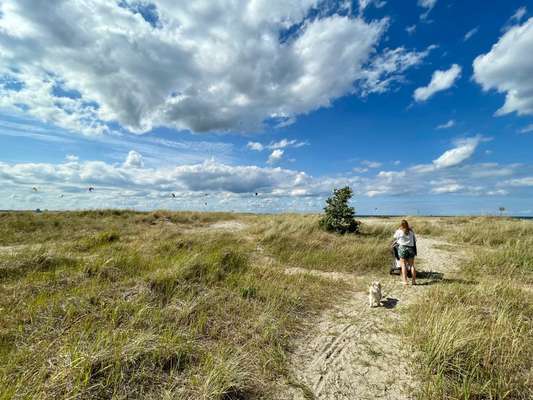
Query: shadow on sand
point(389, 302)
point(438, 277)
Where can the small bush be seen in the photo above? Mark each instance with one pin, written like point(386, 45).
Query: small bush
point(339, 216)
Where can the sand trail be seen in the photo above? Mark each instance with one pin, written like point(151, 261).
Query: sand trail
point(355, 352)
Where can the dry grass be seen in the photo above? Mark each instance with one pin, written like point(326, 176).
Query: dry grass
point(473, 338)
point(119, 304)
point(297, 241)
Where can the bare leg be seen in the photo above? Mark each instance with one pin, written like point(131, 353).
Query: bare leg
point(404, 270)
point(413, 270)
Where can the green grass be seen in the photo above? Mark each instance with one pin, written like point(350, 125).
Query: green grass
point(473, 338)
point(298, 241)
point(123, 305)
point(153, 305)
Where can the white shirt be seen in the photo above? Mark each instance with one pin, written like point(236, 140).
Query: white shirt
point(403, 239)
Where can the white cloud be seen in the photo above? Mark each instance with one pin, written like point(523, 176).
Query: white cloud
point(463, 151)
point(71, 158)
point(389, 67)
point(363, 4)
point(519, 14)
point(371, 164)
point(411, 29)
point(447, 125)
point(113, 64)
point(359, 170)
point(275, 156)
point(470, 33)
point(447, 188)
point(506, 69)
point(441, 80)
point(75, 176)
point(527, 181)
point(134, 160)
point(428, 5)
point(255, 146)
point(498, 192)
point(281, 144)
point(232, 186)
point(527, 129)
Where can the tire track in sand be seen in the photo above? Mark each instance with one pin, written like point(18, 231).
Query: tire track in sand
point(355, 352)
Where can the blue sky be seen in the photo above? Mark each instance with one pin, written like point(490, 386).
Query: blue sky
point(421, 106)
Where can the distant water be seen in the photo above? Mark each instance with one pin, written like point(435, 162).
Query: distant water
point(357, 215)
point(441, 216)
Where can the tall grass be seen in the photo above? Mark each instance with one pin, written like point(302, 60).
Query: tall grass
point(473, 339)
point(141, 305)
point(298, 241)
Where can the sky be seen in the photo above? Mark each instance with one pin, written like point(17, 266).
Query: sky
point(420, 106)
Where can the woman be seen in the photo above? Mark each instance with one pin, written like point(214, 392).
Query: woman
point(406, 239)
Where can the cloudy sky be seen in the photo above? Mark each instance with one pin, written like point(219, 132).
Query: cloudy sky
point(267, 105)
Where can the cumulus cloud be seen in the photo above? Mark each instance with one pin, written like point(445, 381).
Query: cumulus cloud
point(208, 175)
point(275, 156)
point(255, 146)
point(506, 69)
point(440, 80)
point(71, 157)
point(199, 66)
point(447, 125)
point(134, 160)
point(232, 186)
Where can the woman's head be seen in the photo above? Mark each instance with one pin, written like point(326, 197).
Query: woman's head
point(404, 226)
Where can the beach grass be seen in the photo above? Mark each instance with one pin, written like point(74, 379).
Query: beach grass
point(122, 304)
point(473, 337)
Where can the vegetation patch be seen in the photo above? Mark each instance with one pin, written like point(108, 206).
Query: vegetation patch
point(126, 309)
point(474, 341)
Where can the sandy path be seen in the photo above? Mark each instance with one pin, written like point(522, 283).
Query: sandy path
point(354, 351)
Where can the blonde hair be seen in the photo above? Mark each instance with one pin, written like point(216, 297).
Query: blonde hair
point(404, 226)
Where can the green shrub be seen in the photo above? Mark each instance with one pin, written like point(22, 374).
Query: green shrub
point(339, 216)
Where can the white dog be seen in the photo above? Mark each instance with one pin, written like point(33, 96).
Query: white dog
point(374, 294)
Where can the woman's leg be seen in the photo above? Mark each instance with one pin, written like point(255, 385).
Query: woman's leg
point(404, 271)
point(413, 270)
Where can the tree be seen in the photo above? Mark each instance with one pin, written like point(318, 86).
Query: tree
point(339, 217)
point(502, 210)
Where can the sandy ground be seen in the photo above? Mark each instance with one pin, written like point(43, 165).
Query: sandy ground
point(355, 352)
point(10, 250)
point(232, 226)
